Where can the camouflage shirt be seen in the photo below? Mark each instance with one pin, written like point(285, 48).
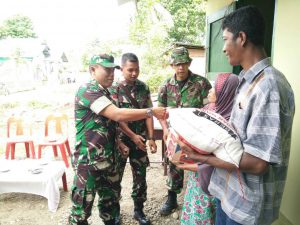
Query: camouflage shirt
point(192, 94)
point(95, 134)
point(141, 93)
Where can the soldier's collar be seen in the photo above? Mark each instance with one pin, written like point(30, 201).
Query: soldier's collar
point(173, 78)
point(103, 89)
point(137, 82)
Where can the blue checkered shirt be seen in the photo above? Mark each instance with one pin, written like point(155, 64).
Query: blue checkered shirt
point(262, 115)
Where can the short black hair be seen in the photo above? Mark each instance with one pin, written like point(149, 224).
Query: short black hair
point(131, 57)
point(249, 20)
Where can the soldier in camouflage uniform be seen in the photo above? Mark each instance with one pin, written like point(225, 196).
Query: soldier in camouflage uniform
point(184, 89)
point(93, 160)
point(136, 133)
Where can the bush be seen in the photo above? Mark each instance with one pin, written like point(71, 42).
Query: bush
point(155, 81)
point(37, 104)
point(9, 105)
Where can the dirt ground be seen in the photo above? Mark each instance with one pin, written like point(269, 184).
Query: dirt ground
point(27, 209)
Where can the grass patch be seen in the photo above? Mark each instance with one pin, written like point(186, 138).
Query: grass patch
point(9, 105)
point(37, 104)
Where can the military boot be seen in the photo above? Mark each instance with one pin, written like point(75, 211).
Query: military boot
point(170, 205)
point(118, 220)
point(139, 214)
point(110, 222)
point(83, 223)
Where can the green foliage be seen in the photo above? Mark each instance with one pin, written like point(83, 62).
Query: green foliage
point(149, 31)
point(18, 26)
point(139, 28)
point(189, 20)
point(150, 26)
point(7, 106)
point(153, 31)
point(85, 62)
point(16, 55)
point(37, 104)
point(155, 81)
point(155, 28)
point(113, 47)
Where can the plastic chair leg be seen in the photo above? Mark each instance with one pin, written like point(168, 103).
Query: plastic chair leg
point(63, 154)
point(54, 150)
point(27, 149)
point(64, 180)
point(32, 149)
point(8, 145)
point(68, 147)
point(13, 147)
point(40, 151)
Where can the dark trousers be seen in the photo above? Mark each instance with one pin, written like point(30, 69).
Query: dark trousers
point(86, 185)
point(175, 178)
point(139, 162)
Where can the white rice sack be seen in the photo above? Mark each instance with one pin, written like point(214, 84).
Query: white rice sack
point(207, 132)
point(173, 152)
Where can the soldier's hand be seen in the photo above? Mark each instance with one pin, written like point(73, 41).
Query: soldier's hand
point(152, 146)
point(140, 142)
point(159, 112)
point(123, 149)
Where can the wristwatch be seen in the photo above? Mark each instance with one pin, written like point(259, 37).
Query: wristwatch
point(149, 112)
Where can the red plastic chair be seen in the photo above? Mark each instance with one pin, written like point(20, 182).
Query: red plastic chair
point(56, 135)
point(16, 134)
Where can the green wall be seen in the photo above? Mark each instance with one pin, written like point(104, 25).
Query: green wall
point(285, 56)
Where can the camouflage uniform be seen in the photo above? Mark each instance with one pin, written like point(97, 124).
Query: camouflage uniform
point(138, 159)
point(192, 94)
point(93, 159)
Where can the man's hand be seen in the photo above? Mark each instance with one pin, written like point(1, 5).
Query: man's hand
point(152, 146)
point(140, 142)
point(123, 149)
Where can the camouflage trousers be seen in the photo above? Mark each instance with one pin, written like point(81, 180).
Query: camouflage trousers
point(86, 185)
point(175, 178)
point(139, 162)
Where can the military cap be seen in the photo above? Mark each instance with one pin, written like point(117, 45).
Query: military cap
point(180, 55)
point(104, 60)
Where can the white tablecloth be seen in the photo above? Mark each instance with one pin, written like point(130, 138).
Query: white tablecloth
point(19, 178)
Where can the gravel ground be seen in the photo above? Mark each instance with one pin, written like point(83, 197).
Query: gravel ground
point(28, 209)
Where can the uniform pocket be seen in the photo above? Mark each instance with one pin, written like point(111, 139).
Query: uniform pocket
point(77, 196)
